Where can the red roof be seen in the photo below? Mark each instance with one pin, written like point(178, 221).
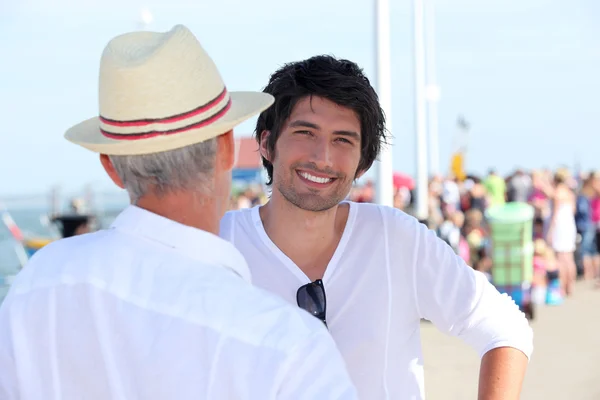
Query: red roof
point(246, 153)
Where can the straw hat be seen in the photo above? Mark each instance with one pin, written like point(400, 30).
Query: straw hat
point(159, 92)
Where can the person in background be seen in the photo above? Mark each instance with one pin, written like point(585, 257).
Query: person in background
point(402, 198)
point(477, 238)
point(540, 273)
point(158, 306)
point(495, 186)
point(450, 230)
point(554, 292)
point(367, 193)
point(539, 229)
point(540, 194)
point(475, 196)
point(519, 187)
point(586, 229)
point(436, 216)
point(561, 233)
point(595, 208)
point(450, 195)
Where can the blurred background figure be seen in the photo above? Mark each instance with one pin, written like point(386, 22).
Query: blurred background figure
point(496, 188)
point(587, 227)
point(561, 231)
point(76, 221)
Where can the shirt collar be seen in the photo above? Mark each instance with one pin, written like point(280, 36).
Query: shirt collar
point(194, 243)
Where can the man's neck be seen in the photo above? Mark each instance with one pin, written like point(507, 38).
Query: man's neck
point(191, 209)
point(308, 238)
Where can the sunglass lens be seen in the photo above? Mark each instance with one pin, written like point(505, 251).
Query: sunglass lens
point(311, 297)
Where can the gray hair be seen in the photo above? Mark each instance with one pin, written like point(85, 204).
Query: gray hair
point(188, 168)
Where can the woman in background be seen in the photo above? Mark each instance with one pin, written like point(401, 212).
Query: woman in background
point(561, 234)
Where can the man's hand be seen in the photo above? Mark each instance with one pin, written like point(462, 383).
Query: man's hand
point(501, 374)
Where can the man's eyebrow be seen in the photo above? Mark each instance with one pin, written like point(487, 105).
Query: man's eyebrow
point(303, 124)
point(306, 124)
point(350, 134)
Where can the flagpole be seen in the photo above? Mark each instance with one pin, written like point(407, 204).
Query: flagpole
point(432, 90)
point(422, 179)
point(384, 169)
point(146, 19)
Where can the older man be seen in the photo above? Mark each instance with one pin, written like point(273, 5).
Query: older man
point(158, 306)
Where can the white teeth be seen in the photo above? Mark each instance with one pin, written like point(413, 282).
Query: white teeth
point(313, 178)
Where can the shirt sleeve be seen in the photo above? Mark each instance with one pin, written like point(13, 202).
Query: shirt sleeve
point(316, 370)
point(462, 302)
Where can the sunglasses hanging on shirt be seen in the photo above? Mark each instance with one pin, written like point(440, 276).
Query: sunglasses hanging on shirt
point(311, 297)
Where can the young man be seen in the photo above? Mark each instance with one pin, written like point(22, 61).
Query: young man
point(158, 306)
point(370, 272)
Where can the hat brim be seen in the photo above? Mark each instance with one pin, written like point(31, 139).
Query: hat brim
point(244, 105)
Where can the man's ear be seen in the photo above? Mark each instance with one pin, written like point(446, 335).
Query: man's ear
point(111, 171)
point(226, 151)
point(263, 148)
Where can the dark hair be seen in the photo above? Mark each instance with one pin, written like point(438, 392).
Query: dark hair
point(593, 175)
point(338, 80)
point(538, 221)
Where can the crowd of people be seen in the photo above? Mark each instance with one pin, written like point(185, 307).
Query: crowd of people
point(566, 223)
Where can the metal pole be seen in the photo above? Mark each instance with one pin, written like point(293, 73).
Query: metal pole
point(384, 169)
point(420, 117)
point(433, 91)
point(145, 20)
point(434, 152)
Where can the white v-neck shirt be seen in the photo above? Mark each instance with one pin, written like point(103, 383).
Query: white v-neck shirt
point(387, 273)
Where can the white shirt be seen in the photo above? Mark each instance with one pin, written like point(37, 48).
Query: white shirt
point(152, 309)
point(451, 193)
point(450, 233)
point(387, 273)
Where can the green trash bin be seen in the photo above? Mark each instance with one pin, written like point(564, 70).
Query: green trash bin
point(511, 234)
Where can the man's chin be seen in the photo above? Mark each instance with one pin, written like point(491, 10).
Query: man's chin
point(313, 203)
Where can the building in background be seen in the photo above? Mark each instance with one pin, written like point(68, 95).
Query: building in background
point(248, 169)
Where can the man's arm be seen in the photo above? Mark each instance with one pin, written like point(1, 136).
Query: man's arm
point(501, 374)
point(461, 302)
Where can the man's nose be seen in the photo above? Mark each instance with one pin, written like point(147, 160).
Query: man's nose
point(321, 155)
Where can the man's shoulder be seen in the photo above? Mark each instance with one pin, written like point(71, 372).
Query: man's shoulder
point(237, 216)
point(235, 221)
point(370, 213)
point(46, 263)
point(402, 230)
point(265, 319)
point(69, 247)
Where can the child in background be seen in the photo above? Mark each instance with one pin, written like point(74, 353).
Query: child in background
point(449, 230)
point(540, 282)
point(554, 294)
point(478, 240)
point(538, 228)
point(463, 250)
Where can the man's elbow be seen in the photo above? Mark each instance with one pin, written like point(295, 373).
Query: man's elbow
point(513, 333)
point(499, 324)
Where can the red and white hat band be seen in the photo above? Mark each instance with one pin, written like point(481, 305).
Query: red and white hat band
point(199, 117)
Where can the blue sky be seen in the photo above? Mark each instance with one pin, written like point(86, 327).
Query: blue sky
point(523, 72)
